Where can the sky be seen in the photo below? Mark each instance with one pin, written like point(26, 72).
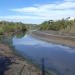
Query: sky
point(36, 11)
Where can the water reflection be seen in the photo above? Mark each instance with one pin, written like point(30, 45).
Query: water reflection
point(57, 57)
point(20, 34)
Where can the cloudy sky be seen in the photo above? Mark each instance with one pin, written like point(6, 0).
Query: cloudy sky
point(36, 11)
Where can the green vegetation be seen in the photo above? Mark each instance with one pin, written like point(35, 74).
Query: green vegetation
point(11, 27)
point(63, 24)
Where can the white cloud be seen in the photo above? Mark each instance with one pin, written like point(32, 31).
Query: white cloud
point(46, 7)
point(25, 19)
point(40, 13)
point(69, 0)
point(24, 10)
point(21, 17)
point(49, 11)
point(66, 5)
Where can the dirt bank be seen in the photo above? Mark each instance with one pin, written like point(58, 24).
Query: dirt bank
point(58, 39)
point(11, 64)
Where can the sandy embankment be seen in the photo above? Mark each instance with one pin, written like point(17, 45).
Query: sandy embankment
point(10, 64)
point(58, 39)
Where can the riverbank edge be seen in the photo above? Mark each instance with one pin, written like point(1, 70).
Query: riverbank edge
point(60, 40)
point(18, 56)
point(30, 62)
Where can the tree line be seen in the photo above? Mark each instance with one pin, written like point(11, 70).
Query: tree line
point(6, 27)
point(57, 25)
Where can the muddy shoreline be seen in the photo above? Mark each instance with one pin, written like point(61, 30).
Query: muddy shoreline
point(65, 41)
point(11, 63)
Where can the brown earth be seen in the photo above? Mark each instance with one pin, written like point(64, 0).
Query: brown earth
point(52, 38)
point(11, 64)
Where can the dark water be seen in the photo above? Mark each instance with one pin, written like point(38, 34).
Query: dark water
point(58, 58)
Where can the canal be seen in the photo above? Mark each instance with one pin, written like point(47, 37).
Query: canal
point(58, 58)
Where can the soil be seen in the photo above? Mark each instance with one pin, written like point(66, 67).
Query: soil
point(56, 39)
point(11, 64)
